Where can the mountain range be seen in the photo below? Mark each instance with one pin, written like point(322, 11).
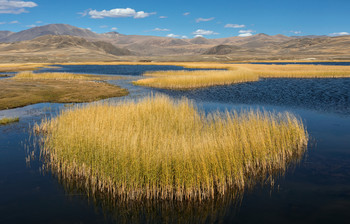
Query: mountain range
point(62, 42)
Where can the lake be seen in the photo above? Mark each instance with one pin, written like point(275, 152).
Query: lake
point(317, 190)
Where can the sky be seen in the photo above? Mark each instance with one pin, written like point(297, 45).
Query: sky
point(183, 18)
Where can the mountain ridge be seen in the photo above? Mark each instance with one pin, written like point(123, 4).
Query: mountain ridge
point(259, 46)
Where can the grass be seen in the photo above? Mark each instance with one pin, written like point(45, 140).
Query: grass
point(159, 148)
point(195, 79)
point(237, 73)
point(28, 75)
point(27, 88)
point(6, 120)
point(16, 67)
point(53, 76)
point(299, 71)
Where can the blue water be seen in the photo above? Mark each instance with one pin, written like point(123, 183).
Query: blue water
point(133, 70)
point(315, 191)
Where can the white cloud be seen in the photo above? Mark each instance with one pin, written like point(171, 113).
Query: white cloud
point(39, 22)
point(163, 17)
point(186, 13)
point(245, 35)
point(84, 13)
point(12, 22)
point(295, 32)
point(184, 37)
point(114, 28)
point(160, 29)
point(88, 28)
point(173, 35)
point(15, 7)
point(31, 26)
point(234, 26)
point(204, 19)
point(103, 26)
point(118, 13)
point(204, 32)
point(246, 31)
point(339, 34)
point(198, 36)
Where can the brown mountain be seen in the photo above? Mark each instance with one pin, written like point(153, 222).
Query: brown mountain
point(4, 34)
point(51, 29)
point(259, 46)
point(58, 48)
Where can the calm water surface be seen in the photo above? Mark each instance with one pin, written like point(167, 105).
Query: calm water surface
point(315, 191)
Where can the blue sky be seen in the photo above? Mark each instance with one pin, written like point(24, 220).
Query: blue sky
point(183, 19)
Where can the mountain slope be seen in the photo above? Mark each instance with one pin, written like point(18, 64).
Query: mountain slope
point(259, 46)
point(53, 48)
point(51, 29)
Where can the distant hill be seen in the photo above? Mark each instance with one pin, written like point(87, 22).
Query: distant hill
point(57, 48)
point(51, 29)
point(63, 37)
point(4, 34)
point(222, 49)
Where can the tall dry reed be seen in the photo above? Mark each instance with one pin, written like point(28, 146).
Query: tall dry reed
point(52, 75)
point(196, 79)
point(159, 148)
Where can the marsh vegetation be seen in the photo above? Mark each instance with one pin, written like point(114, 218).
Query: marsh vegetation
point(16, 67)
point(8, 120)
point(27, 88)
point(236, 73)
point(194, 79)
point(159, 148)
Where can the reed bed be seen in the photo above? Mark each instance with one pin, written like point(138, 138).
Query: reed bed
point(236, 73)
point(195, 79)
point(299, 71)
point(159, 148)
point(15, 67)
point(8, 120)
point(52, 76)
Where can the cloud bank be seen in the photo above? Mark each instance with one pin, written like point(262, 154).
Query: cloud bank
point(339, 34)
point(119, 13)
point(160, 29)
point(204, 32)
point(204, 19)
point(246, 33)
point(15, 7)
point(234, 26)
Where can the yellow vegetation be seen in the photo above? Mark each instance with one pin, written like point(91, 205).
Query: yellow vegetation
point(237, 73)
point(29, 88)
point(159, 148)
point(22, 67)
point(6, 120)
point(195, 79)
point(54, 76)
point(299, 71)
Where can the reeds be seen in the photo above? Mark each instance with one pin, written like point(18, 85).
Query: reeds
point(195, 79)
point(299, 71)
point(159, 148)
point(52, 76)
point(236, 73)
point(15, 67)
point(8, 120)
